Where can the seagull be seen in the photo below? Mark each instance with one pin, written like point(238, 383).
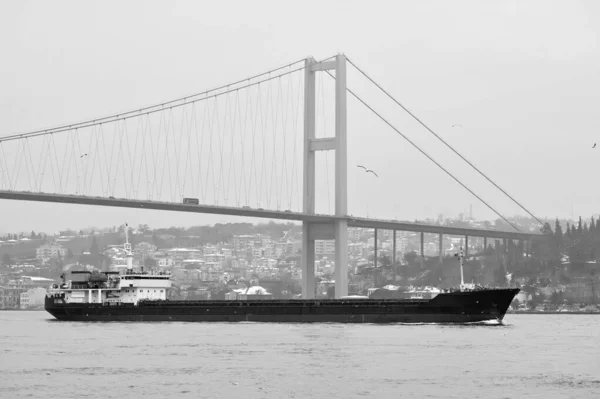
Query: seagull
point(367, 170)
point(457, 125)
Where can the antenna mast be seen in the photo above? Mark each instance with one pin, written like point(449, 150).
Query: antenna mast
point(127, 248)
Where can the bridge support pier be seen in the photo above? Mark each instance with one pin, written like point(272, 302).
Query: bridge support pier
point(394, 249)
point(422, 249)
point(337, 230)
point(375, 248)
point(308, 262)
point(341, 258)
point(441, 248)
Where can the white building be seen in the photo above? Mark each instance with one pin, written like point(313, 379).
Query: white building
point(143, 250)
point(185, 253)
point(243, 242)
point(33, 298)
point(323, 247)
point(50, 251)
point(214, 258)
point(165, 262)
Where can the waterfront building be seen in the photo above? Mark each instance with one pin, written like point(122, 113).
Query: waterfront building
point(50, 251)
point(33, 298)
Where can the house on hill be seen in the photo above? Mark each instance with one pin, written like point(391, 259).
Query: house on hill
point(50, 251)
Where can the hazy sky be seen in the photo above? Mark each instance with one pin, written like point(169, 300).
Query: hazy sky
point(521, 77)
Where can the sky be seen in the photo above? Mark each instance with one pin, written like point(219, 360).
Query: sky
point(519, 77)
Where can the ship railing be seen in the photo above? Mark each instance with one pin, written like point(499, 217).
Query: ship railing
point(285, 302)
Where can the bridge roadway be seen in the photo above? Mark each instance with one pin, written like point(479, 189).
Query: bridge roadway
point(261, 213)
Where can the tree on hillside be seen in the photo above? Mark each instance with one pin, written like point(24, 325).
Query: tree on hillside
point(558, 233)
point(557, 298)
point(384, 261)
point(410, 257)
point(94, 251)
point(546, 229)
point(515, 304)
point(32, 235)
point(6, 260)
point(558, 240)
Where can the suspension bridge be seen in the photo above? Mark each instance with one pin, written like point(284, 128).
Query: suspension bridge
point(248, 149)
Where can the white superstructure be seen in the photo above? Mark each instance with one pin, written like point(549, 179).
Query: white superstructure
point(113, 288)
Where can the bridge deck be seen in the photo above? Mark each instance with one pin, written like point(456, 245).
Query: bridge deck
point(261, 213)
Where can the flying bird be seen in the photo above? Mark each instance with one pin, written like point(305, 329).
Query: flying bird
point(457, 125)
point(368, 170)
point(83, 155)
point(594, 145)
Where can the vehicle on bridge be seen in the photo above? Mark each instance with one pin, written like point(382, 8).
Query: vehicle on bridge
point(193, 201)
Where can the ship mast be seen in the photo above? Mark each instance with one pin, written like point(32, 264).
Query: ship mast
point(127, 248)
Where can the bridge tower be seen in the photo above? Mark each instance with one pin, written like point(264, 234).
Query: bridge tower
point(338, 229)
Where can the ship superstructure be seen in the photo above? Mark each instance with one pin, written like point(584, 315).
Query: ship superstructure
point(112, 288)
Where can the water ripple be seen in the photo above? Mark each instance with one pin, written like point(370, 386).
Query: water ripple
point(533, 356)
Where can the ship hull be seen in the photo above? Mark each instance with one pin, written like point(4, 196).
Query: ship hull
point(457, 307)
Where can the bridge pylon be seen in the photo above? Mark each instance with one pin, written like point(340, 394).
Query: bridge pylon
point(337, 230)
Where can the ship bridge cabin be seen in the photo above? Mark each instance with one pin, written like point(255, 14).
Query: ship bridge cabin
point(112, 288)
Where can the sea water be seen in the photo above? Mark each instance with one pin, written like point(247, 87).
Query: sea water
point(529, 356)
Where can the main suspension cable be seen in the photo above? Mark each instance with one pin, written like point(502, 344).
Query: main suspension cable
point(149, 109)
point(443, 141)
point(427, 155)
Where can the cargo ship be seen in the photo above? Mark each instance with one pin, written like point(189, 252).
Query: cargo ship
point(447, 307)
point(138, 295)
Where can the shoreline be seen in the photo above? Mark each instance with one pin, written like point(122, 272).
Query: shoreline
point(551, 312)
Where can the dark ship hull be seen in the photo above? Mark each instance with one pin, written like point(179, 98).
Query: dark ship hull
point(454, 307)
